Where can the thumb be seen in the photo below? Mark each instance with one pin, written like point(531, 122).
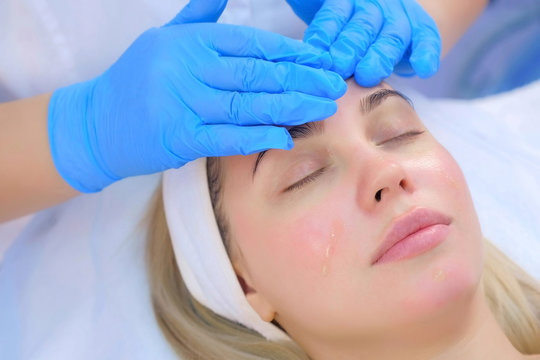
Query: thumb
point(199, 11)
point(305, 9)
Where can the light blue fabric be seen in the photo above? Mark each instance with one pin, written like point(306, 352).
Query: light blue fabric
point(185, 91)
point(371, 39)
point(498, 53)
point(507, 51)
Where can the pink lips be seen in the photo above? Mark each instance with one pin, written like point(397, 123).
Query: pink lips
point(411, 234)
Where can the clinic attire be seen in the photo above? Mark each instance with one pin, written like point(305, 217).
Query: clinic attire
point(61, 43)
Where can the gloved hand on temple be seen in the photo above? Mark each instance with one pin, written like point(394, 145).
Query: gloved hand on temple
point(184, 91)
point(372, 38)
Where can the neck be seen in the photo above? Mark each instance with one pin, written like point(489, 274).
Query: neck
point(468, 332)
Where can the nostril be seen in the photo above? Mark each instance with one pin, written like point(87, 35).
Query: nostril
point(378, 195)
point(403, 184)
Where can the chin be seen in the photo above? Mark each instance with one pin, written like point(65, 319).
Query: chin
point(448, 284)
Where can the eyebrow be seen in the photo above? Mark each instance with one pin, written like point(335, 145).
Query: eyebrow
point(370, 102)
point(367, 105)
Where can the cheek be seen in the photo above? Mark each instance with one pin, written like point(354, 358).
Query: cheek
point(438, 175)
point(451, 188)
point(295, 245)
point(310, 239)
point(439, 166)
point(457, 271)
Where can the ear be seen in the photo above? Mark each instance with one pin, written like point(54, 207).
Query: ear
point(258, 301)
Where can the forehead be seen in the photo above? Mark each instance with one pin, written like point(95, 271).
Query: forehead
point(348, 108)
point(349, 103)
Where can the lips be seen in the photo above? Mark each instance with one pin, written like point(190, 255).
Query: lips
point(408, 224)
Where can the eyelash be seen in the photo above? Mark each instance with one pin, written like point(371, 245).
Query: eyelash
point(406, 136)
point(310, 178)
point(314, 175)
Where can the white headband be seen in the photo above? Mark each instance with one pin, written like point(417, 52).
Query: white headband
point(199, 250)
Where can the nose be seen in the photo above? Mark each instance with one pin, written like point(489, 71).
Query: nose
point(381, 180)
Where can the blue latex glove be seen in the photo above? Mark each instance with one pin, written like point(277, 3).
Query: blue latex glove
point(185, 91)
point(372, 38)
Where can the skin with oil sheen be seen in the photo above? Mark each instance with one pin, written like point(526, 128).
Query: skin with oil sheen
point(316, 241)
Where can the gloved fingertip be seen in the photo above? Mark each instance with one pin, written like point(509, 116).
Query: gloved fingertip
point(334, 85)
point(372, 69)
point(282, 141)
point(367, 74)
point(199, 11)
point(366, 80)
point(343, 66)
point(305, 10)
point(404, 68)
point(425, 65)
point(343, 62)
point(339, 85)
point(329, 107)
point(316, 110)
point(290, 142)
point(276, 138)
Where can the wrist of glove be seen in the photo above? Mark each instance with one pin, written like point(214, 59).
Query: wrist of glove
point(73, 149)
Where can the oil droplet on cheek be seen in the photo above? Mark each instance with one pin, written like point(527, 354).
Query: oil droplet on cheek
point(439, 275)
point(336, 229)
point(450, 179)
point(327, 252)
point(328, 248)
point(449, 169)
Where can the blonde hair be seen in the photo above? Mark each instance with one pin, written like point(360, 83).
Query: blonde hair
point(196, 332)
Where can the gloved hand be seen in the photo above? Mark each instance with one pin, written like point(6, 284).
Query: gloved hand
point(185, 91)
point(372, 38)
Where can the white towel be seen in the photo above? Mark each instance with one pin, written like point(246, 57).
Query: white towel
point(199, 250)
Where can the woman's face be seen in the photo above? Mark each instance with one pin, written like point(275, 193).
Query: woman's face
point(307, 226)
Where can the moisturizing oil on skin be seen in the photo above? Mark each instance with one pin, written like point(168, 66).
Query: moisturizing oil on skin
point(335, 231)
point(439, 275)
point(328, 251)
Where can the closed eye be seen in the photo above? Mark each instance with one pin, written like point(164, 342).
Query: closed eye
point(308, 179)
point(314, 175)
point(406, 136)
